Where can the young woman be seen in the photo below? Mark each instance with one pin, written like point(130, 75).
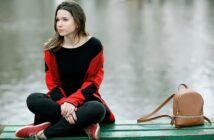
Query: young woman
point(74, 72)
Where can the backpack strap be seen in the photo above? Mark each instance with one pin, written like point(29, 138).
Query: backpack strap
point(148, 117)
point(184, 85)
point(208, 120)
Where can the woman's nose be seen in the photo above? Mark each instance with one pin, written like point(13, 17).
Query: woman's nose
point(59, 23)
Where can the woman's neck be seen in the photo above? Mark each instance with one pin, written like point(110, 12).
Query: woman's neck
point(74, 42)
point(71, 40)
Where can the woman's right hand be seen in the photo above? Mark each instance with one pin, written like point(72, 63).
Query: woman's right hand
point(68, 112)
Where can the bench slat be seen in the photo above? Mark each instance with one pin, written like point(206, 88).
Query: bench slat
point(133, 130)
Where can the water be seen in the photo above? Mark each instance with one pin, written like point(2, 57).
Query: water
point(150, 47)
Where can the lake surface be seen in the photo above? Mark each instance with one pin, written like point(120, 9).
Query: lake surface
point(150, 48)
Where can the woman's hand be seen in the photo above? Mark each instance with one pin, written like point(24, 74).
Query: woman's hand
point(68, 112)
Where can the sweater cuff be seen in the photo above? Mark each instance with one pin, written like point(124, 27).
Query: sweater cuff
point(56, 94)
point(61, 101)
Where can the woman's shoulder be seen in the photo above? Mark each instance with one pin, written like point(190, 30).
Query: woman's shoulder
point(96, 43)
point(94, 46)
point(47, 51)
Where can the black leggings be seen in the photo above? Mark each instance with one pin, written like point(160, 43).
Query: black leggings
point(45, 109)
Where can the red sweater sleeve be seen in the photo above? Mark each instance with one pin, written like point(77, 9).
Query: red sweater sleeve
point(51, 80)
point(94, 76)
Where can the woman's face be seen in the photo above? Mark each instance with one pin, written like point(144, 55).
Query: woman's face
point(65, 23)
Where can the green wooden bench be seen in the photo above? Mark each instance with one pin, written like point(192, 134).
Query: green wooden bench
point(131, 130)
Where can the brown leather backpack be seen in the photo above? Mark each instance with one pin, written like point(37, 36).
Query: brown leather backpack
point(187, 108)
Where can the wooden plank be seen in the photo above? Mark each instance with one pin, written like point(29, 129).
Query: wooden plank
point(150, 127)
point(160, 131)
point(132, 127)
point(1, 129)
point(11, 136)
point(156, 133)
point(128, 130)
point(129, 135)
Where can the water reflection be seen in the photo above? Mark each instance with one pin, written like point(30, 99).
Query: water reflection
point(150, 47)
point(24, 26)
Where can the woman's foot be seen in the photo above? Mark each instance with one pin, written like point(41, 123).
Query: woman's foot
point(93, 131)
point(31, 130)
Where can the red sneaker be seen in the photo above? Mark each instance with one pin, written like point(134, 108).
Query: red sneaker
point(31, 130)
point(93, 131)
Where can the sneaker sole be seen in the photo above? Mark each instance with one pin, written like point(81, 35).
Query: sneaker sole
point(97, 132)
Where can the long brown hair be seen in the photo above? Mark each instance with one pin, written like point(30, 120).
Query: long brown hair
point(79, 17)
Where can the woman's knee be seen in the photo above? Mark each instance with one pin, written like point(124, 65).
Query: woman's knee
point(99, 108)
point(32, 100)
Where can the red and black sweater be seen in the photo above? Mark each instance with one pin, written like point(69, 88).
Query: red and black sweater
point(75, 75)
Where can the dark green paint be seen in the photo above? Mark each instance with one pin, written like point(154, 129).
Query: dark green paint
point(130, 130)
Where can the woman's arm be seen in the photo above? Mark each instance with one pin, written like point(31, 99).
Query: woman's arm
point(53, 85)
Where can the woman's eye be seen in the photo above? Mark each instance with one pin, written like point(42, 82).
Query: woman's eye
point(65, 19)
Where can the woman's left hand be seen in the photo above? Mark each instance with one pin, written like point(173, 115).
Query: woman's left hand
point(68, 112)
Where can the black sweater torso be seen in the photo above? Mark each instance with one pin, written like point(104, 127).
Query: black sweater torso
point(73, 64)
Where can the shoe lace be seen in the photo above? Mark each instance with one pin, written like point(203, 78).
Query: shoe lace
point(36, 137)
point(32, 135)
point(87, 131)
